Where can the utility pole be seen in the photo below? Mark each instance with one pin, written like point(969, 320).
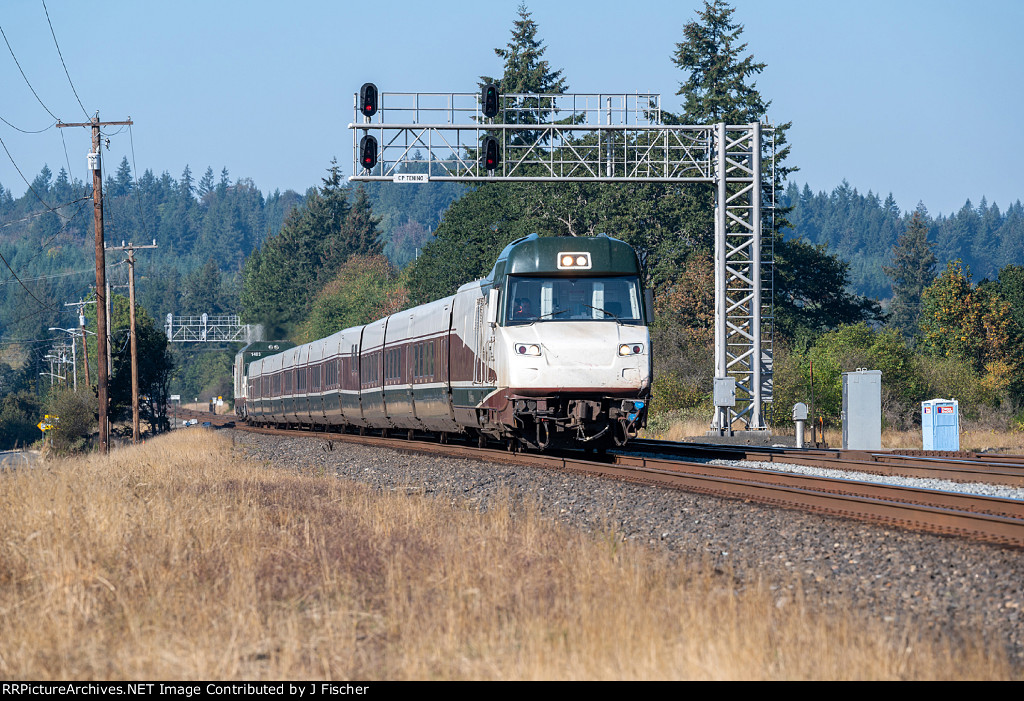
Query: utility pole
point(102, 349)
point(131, 248)
point(80, 305)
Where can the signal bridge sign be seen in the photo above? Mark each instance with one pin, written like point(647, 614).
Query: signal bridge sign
point(411, 178)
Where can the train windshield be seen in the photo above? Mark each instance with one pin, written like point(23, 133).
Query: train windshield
point(539, 299)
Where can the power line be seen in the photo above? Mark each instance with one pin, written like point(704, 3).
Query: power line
point(52, 276)
point(86, 113)
point(45, 204)
point(44, 244)
point(41, 303)
point(27, 131)
point(135, 173)
point(39, 99)
point(39, 214)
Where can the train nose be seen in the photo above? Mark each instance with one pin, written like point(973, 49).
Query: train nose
point(582, 345)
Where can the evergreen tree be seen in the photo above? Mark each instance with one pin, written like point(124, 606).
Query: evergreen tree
point(361, 228)
point(717, 88)
point(205, 183)
point(526, 71)
point(912, 271)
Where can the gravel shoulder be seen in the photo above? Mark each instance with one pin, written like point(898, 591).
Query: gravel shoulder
point(947, 585)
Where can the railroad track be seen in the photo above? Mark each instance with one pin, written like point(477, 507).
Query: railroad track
point(664, 464)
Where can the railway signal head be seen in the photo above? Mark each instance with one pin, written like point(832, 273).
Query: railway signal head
point(368, 99)
point(489, 100)
point(490, 156)
point(368, 152)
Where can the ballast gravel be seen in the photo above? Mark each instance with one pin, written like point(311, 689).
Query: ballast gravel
point(946, 585)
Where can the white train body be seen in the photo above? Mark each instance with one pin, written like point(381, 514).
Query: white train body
point(551, 348)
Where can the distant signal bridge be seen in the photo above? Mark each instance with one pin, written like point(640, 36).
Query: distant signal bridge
point(211, 328)
point(604, 138)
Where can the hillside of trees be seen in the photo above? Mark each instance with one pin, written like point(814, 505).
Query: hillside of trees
point(863, 228)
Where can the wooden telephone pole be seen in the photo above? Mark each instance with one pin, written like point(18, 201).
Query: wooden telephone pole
point(131, 248)
point(102, 381)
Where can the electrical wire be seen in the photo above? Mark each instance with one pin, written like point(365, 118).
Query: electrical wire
point(39, 99)
point(66, 157)
point(39, 214)
point(27, 131)
point(45, 204)
point(44, 244)
point(138, 195)
point(54, 35)
point(41, 303)
point(52, 276)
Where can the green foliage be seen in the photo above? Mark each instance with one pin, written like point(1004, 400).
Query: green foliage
point(913, 270)
point(202, 373)
point(366, 288)
point(846, 349)
point(810, 291)
point(281, 278)
point(864, 229)
point(154, 363)
point(972, 324)
point(717, 87)
point(19, 413)
point(469, 239)
point(76, 412)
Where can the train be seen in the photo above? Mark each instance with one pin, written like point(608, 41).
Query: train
point(551, 349)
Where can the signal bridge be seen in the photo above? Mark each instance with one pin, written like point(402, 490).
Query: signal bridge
point(604, 138)
point(211, 328)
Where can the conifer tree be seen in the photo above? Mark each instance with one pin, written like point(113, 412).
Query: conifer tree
point(526, 71)
point(912, 271)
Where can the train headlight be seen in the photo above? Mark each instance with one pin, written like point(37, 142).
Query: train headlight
point(569, 260)
point(527, 349)
point(631, 349)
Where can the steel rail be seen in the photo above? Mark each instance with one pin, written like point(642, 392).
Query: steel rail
point(989, 519)
point(1008, 472)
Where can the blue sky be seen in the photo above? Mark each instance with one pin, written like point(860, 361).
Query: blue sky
point(921, 99)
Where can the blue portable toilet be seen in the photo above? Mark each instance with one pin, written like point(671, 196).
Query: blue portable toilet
point(940, 424)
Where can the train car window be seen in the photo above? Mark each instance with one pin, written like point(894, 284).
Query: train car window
point(289, 376)
point(541, 299)
point(300, 380)
point(332, 374)
point(277, 384)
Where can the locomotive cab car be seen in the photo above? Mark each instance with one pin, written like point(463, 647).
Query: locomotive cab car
point(567, 345)
point(551, 348)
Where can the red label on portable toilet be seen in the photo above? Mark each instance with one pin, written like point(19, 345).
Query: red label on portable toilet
point(927, 410)
point(945, 410)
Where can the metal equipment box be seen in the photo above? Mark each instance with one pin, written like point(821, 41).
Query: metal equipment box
point(862, 410)
point(940, 424)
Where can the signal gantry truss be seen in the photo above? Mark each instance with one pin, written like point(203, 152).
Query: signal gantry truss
point(211, 328)
point(611, 138)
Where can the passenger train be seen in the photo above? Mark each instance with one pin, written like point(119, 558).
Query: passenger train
point(550, 349)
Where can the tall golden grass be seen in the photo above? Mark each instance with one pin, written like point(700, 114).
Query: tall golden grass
point(177, 559)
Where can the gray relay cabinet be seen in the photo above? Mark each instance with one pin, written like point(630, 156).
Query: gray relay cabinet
point(862, 410)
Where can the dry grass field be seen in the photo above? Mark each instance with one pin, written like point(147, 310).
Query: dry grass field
point(175, 560)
